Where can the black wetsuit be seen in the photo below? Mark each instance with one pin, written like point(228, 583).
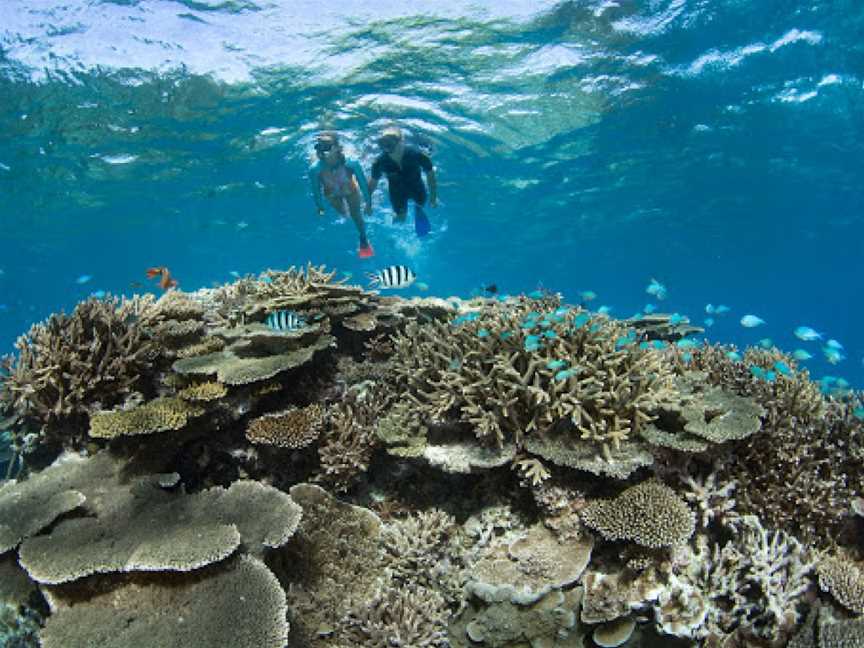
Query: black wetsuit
point(405, 182)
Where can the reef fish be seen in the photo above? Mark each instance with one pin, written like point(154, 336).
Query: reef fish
point(165, 279)
point(801, 354)
point(657, 289)
point(392, 277)
point(833, 355)
point(749, 321)
point(807, 334)
point(284, 320)
point(83, 279)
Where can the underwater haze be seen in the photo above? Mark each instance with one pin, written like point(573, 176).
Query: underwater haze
point(716, 147)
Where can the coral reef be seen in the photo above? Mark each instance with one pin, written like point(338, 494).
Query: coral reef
point(543, 476)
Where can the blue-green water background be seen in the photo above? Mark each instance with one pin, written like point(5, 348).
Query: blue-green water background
point(713, 145)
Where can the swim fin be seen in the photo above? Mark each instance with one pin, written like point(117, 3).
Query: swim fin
point(422, 226)
point(366, 252)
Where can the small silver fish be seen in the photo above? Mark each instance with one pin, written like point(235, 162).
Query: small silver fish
point(285, 320)
point(395, 276)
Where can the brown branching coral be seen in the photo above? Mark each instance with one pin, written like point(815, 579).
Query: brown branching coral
point(795, 474)
point(349, 441)
point(511, 371)
point(71, 365)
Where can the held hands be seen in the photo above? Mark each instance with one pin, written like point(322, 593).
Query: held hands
point(433, 200)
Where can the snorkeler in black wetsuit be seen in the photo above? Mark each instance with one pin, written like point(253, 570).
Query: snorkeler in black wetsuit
point(403, 164)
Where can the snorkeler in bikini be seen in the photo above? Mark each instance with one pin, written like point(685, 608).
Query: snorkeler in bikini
point(341, 181)
point(402, 163)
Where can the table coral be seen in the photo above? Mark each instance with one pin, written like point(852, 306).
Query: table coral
point(649, 514)
point(295, 427)
point(240, 604)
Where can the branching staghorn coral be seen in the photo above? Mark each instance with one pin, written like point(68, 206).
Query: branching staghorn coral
point(752, 585)
point(510, 370)
point(397, 616)
point(349, 440)
point(71, 365)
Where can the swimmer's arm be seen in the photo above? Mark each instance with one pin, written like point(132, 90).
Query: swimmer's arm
point(374, 177)
point(432, 179)
point(315, 185)
point(355, 167)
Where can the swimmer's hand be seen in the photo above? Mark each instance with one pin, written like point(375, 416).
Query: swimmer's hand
point(320, 211)
point(433, 200)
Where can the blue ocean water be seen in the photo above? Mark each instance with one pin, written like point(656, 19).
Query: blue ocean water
point(715, 146)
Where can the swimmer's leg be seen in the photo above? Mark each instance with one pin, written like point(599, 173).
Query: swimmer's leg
point(338, 203)
point(399, 201)
point(422, 226)
point(357, 216)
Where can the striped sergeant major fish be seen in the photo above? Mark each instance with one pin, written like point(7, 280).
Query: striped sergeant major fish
point(395, 276)
point(285, 320)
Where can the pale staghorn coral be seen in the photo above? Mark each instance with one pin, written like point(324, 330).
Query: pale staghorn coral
point(294, 428)
point(71, 365)
point(405, 615)
point(650, 514)
point(714, 503)
point(416, 544)
point(514, 373)
point(752, 586)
